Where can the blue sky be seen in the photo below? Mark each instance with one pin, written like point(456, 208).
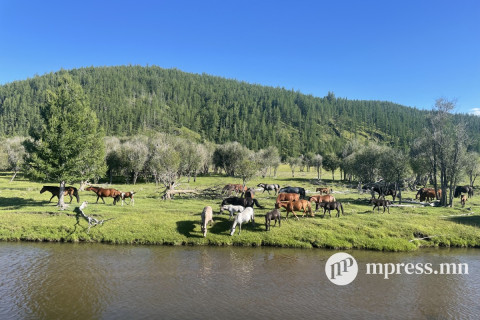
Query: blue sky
point(408, 52)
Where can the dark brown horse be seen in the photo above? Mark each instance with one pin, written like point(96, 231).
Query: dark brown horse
point(101, 192)
point(334, 205)
point(377, 203)
point(237, 188)
point(293, 206)
point(70, 191)
point(324, 190)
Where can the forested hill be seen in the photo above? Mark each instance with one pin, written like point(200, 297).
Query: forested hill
point(134, 99)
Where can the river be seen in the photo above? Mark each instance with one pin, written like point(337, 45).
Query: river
point(94, 281)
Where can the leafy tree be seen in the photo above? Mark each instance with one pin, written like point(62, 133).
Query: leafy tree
point(317, 163)
point(294, 163)
point(68, 146)
point(331, 163)
point(134, 155)
point(15, 153)
point(472, 166)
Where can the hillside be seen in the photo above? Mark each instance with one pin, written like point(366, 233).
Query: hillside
point(133, 99)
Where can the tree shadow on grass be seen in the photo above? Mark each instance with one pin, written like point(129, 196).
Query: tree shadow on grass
point(17, 203)
point(186, 228)
point(468, 220)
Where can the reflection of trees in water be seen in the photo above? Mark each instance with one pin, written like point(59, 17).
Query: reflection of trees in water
point(242, 265)
point(69, 286)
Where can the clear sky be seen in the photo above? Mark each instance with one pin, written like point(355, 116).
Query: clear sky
point(408, 52)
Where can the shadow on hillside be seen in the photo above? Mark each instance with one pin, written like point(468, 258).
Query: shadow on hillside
point(186, 228)
point(468, 220)
point(18, 203)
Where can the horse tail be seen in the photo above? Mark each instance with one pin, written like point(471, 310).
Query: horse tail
point(341, 207)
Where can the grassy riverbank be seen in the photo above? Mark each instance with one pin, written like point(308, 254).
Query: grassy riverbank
point(26, 215)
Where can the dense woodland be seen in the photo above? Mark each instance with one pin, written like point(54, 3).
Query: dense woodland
point(130, 100)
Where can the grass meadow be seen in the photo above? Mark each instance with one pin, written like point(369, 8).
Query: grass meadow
point(26, 215)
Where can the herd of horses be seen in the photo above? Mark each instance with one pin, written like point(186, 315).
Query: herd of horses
point(293, 199)
point(100, 192)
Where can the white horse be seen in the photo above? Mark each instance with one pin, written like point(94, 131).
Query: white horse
point(244, 216)
point(232, 209)
point(207, 217)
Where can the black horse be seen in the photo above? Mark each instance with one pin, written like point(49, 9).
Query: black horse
point(463, 189)
point(245, 202)
point(299, 190)
point(382, 190)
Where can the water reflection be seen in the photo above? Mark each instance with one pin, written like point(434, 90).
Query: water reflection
point(49, 281)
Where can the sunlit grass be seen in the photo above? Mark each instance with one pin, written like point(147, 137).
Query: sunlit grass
point(27, 215)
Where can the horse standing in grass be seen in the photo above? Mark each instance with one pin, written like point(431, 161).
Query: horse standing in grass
point(244, 202)
point(334, 205)
point(377, 203)
point(293, 206)
point(232, 209)
point(299, 190)
point(242, 217)
point(207, 218)
point(129, 194)
point(324, 190)
point(269, 187)
point(70, 191)
point(101, 192)
point(288, 197)
point(320, 199)
point(272, 215)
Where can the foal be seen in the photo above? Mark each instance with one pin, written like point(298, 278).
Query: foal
point(272, 215)
point(244, 216)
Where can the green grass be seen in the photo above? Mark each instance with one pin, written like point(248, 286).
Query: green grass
point(26, 215)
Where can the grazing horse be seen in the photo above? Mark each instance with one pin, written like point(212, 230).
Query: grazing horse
point(207, 218)
point(421, 191)
point(272, 215)
point(232, 209)
point(429, 194)
point(298, 205)
point(382, 190)
point(463, 199)
point(70, 191)
point(324, 190)
point(334, 205)
point(377, 203)
point(319, 199)
point(463, 189)
point(299, 190)
point(237, 188)
point(244, 202)
point(242, 217)
point(269, 187)
point(249, 193)
point(101, 192)
point(288, 197)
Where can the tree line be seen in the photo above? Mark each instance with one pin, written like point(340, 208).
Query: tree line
point(132, 100)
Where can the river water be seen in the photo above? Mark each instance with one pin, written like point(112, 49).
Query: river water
point(93, 281)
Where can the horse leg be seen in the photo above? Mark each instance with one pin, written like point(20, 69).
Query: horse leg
point(240, 229)
point(52, 198)
point(71, 198)
point(97, 198)
point(295, 215)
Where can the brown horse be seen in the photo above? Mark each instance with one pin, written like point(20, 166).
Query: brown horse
point(298, 205)
point(324, 190)
point(237, 188)
point(429, 194)
point(70, 191)
point(319, 199)
point(288, 197)
point(463, 200)
point(101, 192)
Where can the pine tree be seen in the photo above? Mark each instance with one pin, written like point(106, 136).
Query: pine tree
point(68, 146)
